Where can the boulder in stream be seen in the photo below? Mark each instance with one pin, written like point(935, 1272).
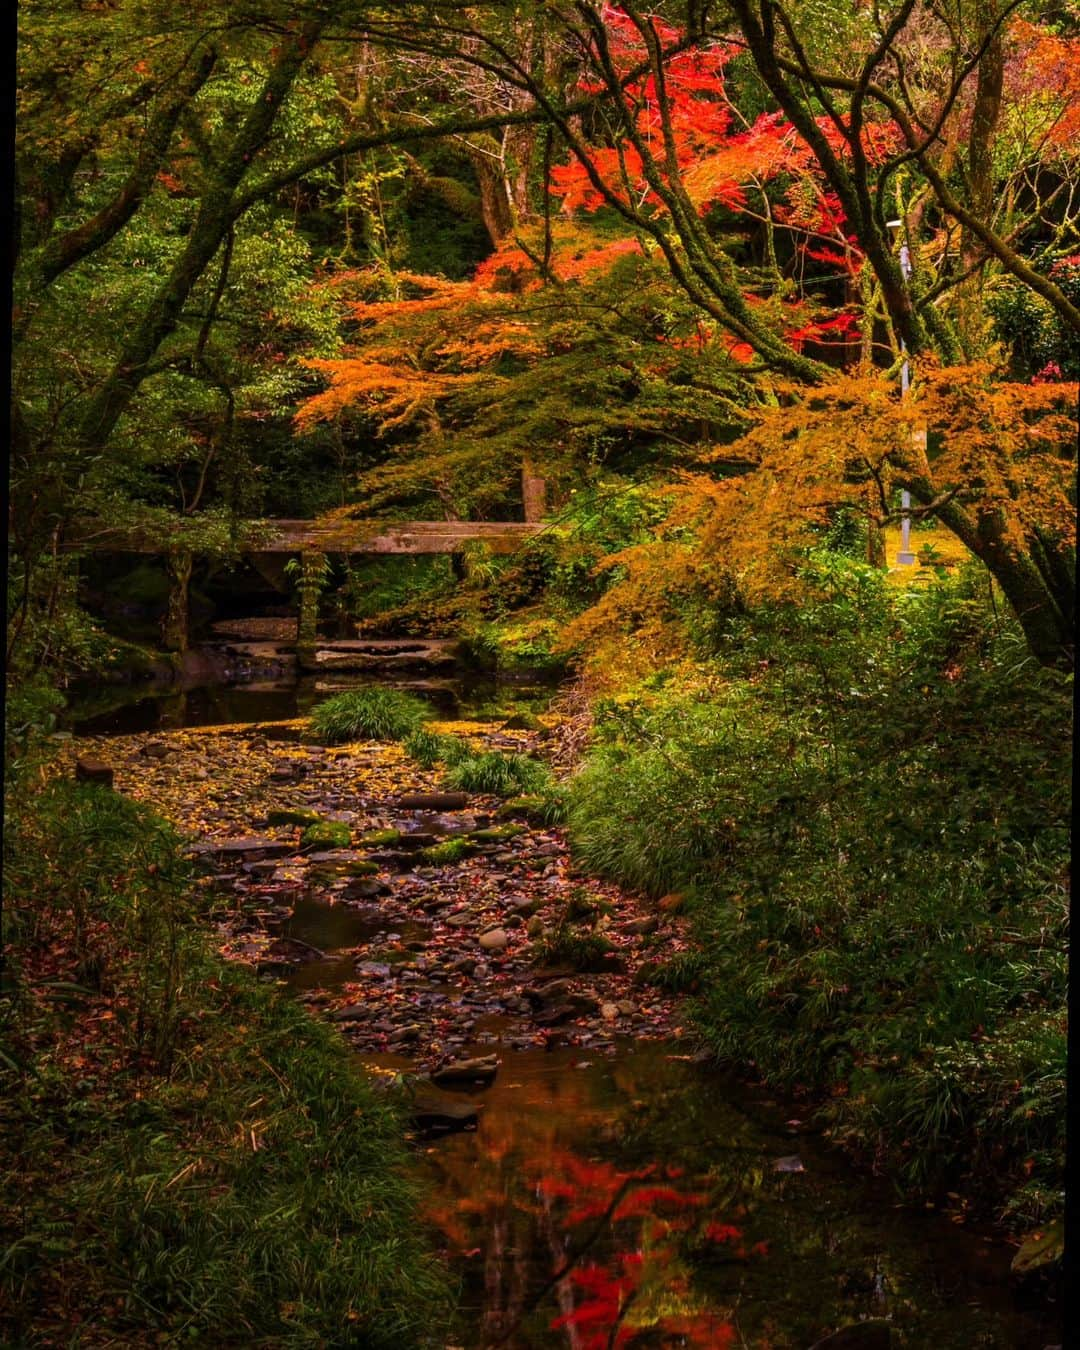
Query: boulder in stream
point(480, 1070)
point(438, 1111)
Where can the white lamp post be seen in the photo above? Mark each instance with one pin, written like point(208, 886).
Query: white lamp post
point(905, 558)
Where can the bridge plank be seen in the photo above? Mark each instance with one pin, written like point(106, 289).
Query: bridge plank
point(346, 536)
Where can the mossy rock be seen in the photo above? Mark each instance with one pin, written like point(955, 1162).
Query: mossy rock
point(380, 838)
point(292, 815)
point(523, 721)
point(326, 834)
point(450, 851)
point(497, 834)
point(522, 808)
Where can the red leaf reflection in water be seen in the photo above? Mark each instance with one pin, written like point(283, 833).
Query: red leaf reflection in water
point(645, 1199)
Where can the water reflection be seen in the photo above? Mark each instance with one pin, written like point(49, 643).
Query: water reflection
point(126, 711)
point(632, 1203)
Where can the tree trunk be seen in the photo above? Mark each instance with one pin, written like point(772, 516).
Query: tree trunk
point(175, 628)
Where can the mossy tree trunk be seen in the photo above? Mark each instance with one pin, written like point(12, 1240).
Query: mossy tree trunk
point(309, 587)
point(175, 627)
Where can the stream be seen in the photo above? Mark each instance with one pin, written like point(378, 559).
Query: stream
point(611, 1187)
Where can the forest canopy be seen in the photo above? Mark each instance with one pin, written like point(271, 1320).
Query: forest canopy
point(444, 241)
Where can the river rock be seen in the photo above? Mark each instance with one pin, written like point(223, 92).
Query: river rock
point(535, 927)
point(609, 1011)
point(90, 770)
point(366, 889)
point(157, 750)
point(378, 970)
point(522, 721)
point(494, 940)
point(480, 1070)
point(273, 732)
point(249, 848)
point(437, 1111)
point(643, 926)
point(646, 973)
point(287, 771)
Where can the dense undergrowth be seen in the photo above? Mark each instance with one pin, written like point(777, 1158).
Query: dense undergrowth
point(866, 802)
point(187, 1155)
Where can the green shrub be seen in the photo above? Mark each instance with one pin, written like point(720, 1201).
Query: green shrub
point(873, 818)
point(369, 714)
point(429, 748)
point(498, 775)
point(127, 899)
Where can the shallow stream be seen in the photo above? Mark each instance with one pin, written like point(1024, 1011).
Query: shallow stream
point(630, 1194)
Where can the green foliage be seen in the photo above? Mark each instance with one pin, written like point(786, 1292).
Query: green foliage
point(499, 775)
point(390, 584)
point(128, 899)
point(198, 1159)
point(683, 974)
point(429, 748)
point(1041, 343)
point(30, 712)
point(566, 946)
point(607, 515)
point(870, 804)
point(369, 714)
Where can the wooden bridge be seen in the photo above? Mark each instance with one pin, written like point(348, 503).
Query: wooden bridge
point(311, 541)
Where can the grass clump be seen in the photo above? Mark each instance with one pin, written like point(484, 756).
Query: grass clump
point(683, 974)
point(189, 1157)
point(369, 714)
point(588, 953)
point(429, 748)
point(498, 775)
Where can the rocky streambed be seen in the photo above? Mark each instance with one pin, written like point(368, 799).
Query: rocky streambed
point(426, 923)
